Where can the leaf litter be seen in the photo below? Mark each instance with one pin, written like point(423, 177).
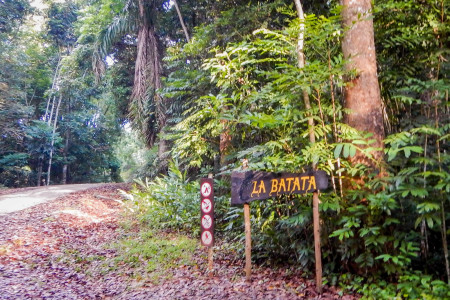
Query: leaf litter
point(62, 250)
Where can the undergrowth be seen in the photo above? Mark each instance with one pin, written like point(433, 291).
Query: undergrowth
point(368, 239)
point(152, 256)
point(411, 285)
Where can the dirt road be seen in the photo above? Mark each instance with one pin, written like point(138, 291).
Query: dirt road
point(41, 246)
point(25, 199)
point(67, 249)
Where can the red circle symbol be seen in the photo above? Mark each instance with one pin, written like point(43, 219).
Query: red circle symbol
point(206, 189)
point(206, 221)
point(206, 205)
point(207, 237)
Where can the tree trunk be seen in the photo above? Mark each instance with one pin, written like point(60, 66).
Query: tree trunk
point(39, 175)
point(225, 143)
point(53, 141)
point(147, 81)
point(66, 151)
point(312, 138)
point(362, 93)
point(181, 20)
point(54, 87)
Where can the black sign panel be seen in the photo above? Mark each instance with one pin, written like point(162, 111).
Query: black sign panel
point(207, 211)
point(249, 186)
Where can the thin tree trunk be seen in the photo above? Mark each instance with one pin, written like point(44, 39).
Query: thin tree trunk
point(312, 139)
point(54, 85)
point(438, 147)
point(423, 228)
point(66, 151)
point(53, 141)
point(39, 175)
point(443, 218)
point(334, 123)
point(444, 241)
point(362, 93)
point(50, 116)
point(225, 143)
point(66, 146)
point(181, 21)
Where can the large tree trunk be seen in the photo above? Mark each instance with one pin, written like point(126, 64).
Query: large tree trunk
point(147, 80)
point(362, 93)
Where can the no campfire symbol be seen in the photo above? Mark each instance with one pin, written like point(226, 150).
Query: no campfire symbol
point(207, 211)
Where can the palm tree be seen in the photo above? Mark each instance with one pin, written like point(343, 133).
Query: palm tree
point(147, 108)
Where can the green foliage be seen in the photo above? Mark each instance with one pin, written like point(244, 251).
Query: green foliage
point(157, 253)
point(168, 202)
point(171, 202)
point(61, 17)
point(12, 14)
point(239, 78)
point(136, 161)
point(33, 74)
point(410, 286)
point(256, 97)
point(259, 100)
point(14, 171)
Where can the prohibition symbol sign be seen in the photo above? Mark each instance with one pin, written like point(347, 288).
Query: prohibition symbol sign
point(206, 238)
point(207, 211)
point(206, 205)
point(206, 189)
point(206, 221)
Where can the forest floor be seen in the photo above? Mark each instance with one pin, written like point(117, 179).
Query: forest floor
point(64, 249)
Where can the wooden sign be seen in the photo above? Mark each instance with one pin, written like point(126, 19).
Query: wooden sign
point(249, 186)
point(207, 211)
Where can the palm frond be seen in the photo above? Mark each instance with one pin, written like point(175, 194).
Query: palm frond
point(126, 22)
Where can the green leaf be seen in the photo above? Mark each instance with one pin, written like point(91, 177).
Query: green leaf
point(352, 150)
point(427, 207)
point(407, 152)
point(384, 257)
point(346, 150)
point(337, 150)
point(419, 192)
point(359, 142)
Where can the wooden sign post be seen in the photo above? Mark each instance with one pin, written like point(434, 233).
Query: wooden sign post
point(249, 186)
point(207, 216)
point(248, 235)
point(248, 243)
point(317, 247)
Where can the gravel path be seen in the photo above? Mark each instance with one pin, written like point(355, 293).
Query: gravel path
point(20, 200)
